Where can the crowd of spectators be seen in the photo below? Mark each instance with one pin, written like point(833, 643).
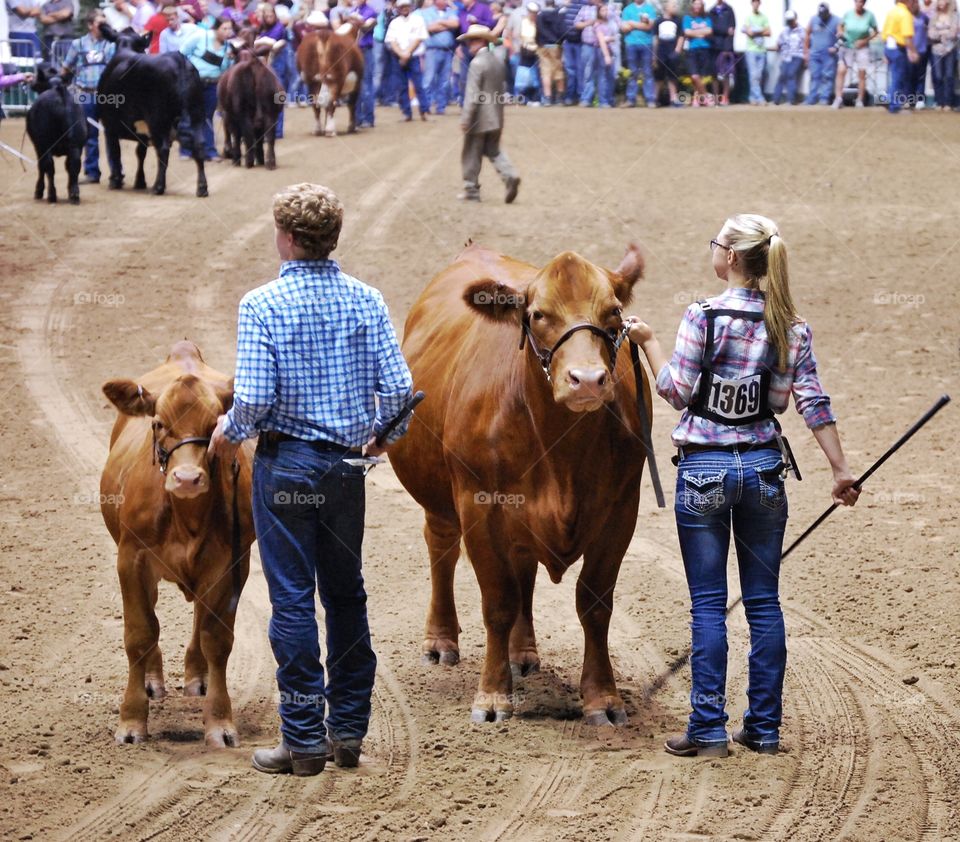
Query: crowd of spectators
point(573, 52)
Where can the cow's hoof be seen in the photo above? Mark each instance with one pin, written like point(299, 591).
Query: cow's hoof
point(447, 656)
point(52, 198)
point(74, 200)
point(115, 184)
point(524, 667)
point(158, 190)
point(236, 162)
point(271, 165)
point(223, 735)
point(330, 134)
point(612, 714)
point(137, 185)
point(155, 687)
point(195, 687)
point(317, 132)
point(130, 733)
point(202, 192)
point(38, 195)
point(491, 707)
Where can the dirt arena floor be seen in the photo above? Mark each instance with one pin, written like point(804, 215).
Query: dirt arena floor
point(869, 207)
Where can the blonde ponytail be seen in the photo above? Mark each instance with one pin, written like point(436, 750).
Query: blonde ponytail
point(763, 256)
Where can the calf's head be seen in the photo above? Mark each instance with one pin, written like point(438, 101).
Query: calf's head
point(569, 292)
point(186, 409)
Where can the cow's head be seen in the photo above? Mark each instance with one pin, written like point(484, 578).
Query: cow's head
point(45, 76)
point(186, 409)
point(568, 292)
point(127, 39)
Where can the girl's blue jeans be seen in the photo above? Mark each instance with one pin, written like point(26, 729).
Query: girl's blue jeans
point(719, 492)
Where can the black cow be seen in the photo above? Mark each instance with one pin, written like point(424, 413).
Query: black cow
point(251, 101)
point(57, 126)
point(141, 98)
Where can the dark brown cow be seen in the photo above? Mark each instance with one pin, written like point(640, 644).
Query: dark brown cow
point(176, 524)
point(331, 66)
point(251, 100)
point(524, 468)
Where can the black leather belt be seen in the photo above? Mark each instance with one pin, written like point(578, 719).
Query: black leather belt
point(743, 447)
point(273, 437)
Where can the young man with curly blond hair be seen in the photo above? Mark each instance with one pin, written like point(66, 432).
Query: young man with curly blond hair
point(319, 375)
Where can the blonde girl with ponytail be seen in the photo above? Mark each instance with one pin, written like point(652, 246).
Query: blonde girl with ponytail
point(738, 358)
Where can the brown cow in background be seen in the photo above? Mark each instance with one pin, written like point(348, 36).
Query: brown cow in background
point(251, 100)
point(523, 460)
point(331, 66)
point(172, 516)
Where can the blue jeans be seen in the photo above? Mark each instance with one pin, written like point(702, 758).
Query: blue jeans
point(308, 509)
point(787, 77)
point(823, 76)
point(715, 489)
point(436, 77)
point(640, 59)
point(589, 57)
point(366, 103)
point(209, 109)
point(571, 70)
point(91, 149)
point(897, 66)
point(944, 72)
point(405, 75)
point(607, 80)
point(756, 64)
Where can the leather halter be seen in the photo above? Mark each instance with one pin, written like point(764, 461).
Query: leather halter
point(162, 455)
point(613, 341)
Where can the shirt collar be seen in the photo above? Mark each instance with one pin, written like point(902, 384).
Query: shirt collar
point(289, 267)
point(743, 292)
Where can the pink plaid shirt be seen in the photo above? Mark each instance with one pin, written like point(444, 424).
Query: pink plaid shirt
point(740, 348)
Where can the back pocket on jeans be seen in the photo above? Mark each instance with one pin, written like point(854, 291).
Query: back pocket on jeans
point(701, 492)
point(773, 494)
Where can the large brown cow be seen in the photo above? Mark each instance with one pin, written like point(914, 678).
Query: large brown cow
point(524, 465)
point(331, 66)
point(171, 514)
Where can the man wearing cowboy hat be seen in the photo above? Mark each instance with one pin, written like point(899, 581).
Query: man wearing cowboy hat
point(482, 117)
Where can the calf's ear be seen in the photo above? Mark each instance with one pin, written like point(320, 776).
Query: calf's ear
point(628, 273)
point(496, 301)
point(130, 397)
point(225, 394)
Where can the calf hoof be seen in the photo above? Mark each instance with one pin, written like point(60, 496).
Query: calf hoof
point(202, 192)
point(330, 134)
point(52, 198)
point(611, 713)
point(317, 132)
point(159, 189)
point(38, 195)
point(155, 687)
point(222, 735)
point(74, 200)
point(130, 733)
point(115, 184)
point(236, 162)
point(524, 667)
point(139, 185)
point(491, 707)
point(195, 687)
point(443, 652)
point(271, 165)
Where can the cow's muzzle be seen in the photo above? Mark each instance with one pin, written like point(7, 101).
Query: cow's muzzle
point(187, 481)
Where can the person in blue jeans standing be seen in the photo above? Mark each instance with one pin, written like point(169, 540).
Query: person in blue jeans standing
point(790, 49)
point(749, 351)
point(821, 52)
point(589, 56)
point(637, 25)
point(443, 24)
point(571, 51)
point(319, 376)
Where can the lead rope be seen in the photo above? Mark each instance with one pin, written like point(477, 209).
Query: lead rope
point(645, 435)
point(237, 555)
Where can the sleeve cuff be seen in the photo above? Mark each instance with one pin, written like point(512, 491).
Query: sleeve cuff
point(231, 431)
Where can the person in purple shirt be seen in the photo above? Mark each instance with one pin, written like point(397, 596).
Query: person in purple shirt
point(364, 17)
point(589, 51)
point(472, 11)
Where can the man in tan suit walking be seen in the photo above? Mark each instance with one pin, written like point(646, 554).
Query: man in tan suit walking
point(482, 116)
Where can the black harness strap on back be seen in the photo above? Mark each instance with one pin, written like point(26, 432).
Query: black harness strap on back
point(733, 402)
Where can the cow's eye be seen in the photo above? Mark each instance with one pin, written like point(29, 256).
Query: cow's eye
point(616, 312)
point(537, 316)
point(157, 425)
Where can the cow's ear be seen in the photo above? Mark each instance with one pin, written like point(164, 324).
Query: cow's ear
point(497, 301)
point(108, 33)
point(225, 394)
point(130, 397)
point(145, 39)
point(628, 273)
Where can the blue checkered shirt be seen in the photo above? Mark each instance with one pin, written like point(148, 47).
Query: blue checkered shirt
point(88, 58)
point(317, 358)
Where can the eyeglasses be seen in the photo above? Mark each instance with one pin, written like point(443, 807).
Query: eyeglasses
point(714, 244)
